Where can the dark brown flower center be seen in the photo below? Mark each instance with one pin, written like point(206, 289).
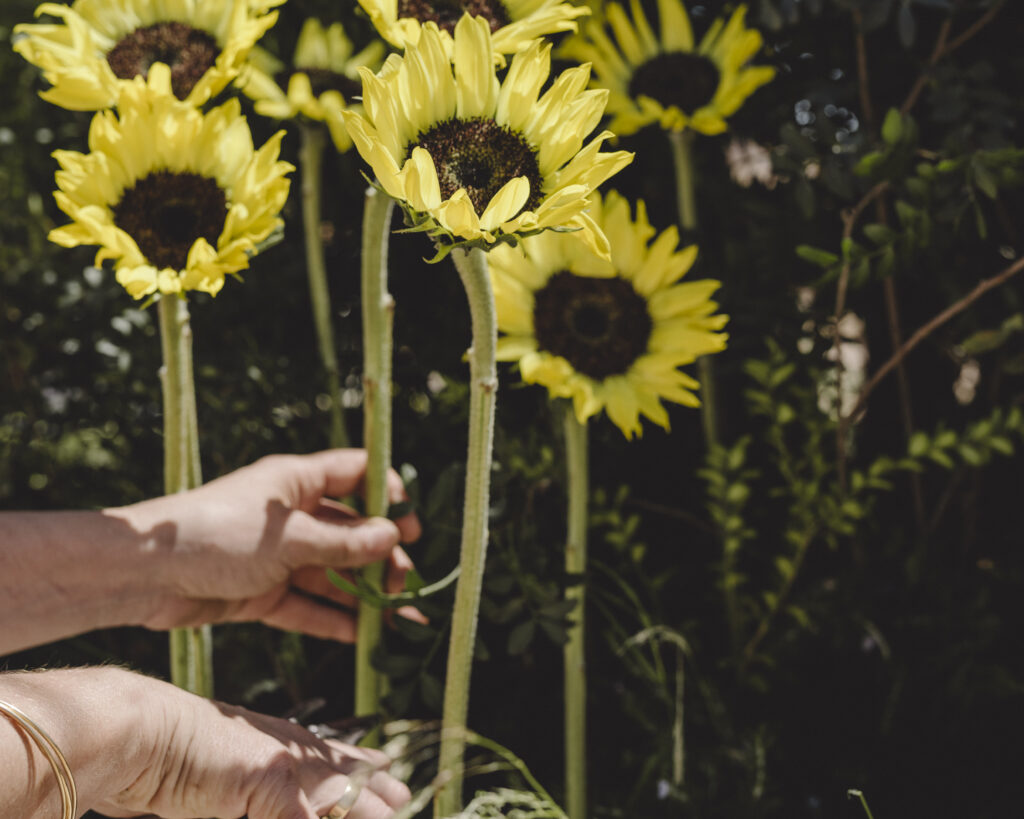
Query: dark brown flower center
point(687, 81)
point(446, 13)
point(480, 156)
point(189, 53)
point(600, 326)
point(323, 79)
point(166, 212)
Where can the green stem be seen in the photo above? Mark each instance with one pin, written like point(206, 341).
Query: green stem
point(311, 155)
point(378, 315)
point(191, 648)
point(686, 197)
point(472, 267)
point(574, 653)
point(682, 159)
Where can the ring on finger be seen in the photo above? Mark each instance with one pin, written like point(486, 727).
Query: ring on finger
point(343, 807)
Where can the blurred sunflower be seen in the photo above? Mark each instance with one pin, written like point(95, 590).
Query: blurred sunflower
point(609, 334)
point(101, 45)
point(474, 161)
point(672, 81)
point(513, 23)
point(323, 81)
point(176, 198)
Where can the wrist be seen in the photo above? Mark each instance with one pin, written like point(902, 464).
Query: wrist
point(65, 573)
point(99, 720)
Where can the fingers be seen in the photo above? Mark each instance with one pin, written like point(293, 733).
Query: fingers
point(332, 511)
point(399, 565)
point(340, 472)
point(393, 792)
point(333, 472)
point(408, 525)
point(298, 613)
point(342, 544)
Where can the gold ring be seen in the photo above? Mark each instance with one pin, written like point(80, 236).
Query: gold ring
point(343, 807)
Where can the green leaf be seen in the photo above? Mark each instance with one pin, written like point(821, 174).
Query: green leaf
point(984, 179)
point(879, 234)
point(918, 445)
point(432, 691)
point(521, 636)
point(817, 256)
point(800, 616)
point(1004, 446)
point(971, 456)
point(892, 127)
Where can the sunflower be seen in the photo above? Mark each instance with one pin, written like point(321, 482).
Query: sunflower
point(176, 198)
point(474, 161)
point(322, 83)
point(608, 333)
point(513, 23)
point(101, 45)
point(671, 82)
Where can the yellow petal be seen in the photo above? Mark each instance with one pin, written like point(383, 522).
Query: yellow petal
point(476, 84)
point(676, 31)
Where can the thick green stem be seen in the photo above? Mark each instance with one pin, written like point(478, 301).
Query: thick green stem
point(574, 652)
point(191, 648)
point(686, 197)
point(311, 155)
point(682, 158)
point(378, 315)
point(472, 267)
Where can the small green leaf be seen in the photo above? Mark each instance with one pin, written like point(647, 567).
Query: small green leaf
point(520, 637)
point(879, 234)
point(892, 127)
point(817, 256)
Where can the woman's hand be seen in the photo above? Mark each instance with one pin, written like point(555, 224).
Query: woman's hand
point(254, 544)
point(140, 746)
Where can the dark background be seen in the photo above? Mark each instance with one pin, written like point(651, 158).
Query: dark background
point(899, 671)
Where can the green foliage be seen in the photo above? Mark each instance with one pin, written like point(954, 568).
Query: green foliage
point(835, 622)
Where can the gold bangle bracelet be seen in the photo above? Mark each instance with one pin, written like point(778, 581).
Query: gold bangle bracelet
point(57, 760)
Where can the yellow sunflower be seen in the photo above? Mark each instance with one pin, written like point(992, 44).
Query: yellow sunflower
point(671, 81)
point(608, 333)
point(476, 161)
point(101, 45)
point(323, 80)
point(513, 23)
point(176, 198)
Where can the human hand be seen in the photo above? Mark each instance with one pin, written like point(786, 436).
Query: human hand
point(141, 746)
point(254, 545)
point(211, 759)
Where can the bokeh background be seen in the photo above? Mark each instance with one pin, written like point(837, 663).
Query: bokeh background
point(896, 665)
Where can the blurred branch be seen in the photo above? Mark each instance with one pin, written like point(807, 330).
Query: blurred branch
point(944, 47)
point(926, 330)
point(850, 219)
point(892, 311)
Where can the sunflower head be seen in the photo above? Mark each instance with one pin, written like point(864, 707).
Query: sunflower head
point(474, 160)
point(177, 199)
point(668, 78)
point(513, 23)
point(322, 81)
point(609, 333)
point(99, 47)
